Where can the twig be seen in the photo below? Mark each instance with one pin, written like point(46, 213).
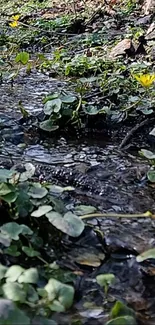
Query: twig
point(132, 131)
point(147, 214)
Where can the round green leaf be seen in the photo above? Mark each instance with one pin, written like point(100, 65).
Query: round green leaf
point(14, 291)
point(69, 223)
point(151, 176)
point(30, 170)
point(37, 192)
point(13, 229)
point(41, 211)
point(29, 251)
point(61, 292)
point(52, 106)
point(48, 126)
point(13, 273)
point(5, 189)
point(29, 276)
point(105, 279)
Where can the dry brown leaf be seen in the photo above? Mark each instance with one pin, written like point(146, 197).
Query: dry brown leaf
point(120, 48)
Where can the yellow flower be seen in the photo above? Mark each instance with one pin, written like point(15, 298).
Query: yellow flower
point(146, 80)
point(16, 17)
point(13, 24)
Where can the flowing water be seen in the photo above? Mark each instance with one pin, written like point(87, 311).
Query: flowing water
point(111, 180)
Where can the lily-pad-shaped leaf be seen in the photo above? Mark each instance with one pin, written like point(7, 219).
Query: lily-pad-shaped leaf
point(37, 192)
point(69, 99)
point(23, 203)
point(59, 189)
point(52, 106)
point(61, 292)
point(151, 176)
point(22, 57)
point(29, 251)
point(69, 223)
point(13, 230)
point(91, 110)
point(3, 270)
point(147, 154)
point(30, 170)
point(146, 255)
point(41, 211)
point(12, 250)
point(32, 295)
point(105, 279)
point(14, 291)
point(124, 320)
point(10, 197)
point(11, 315)
point(5, 189)
point(29, 276)
point(5, 174)
point(80, 210)
point(48, 126)
point(56, 306)
point(13, 273)
point(120, 309)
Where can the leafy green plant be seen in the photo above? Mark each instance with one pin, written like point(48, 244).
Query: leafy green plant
point(121, 315)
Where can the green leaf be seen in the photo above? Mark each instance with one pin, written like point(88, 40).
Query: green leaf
point(32, 295)
point(23, 203)
point(52, 106)
point(120, 309)
point(11, 315)
point(3, 270)
point(13, 229)
point(12, 250)
point(29, 251)
point(14, 292)
point(69, 223)
point(124, 320)
point(151, 176)
point(29, 276)
point(13, 273)
point(147, 154)
point(6, 174)
point(22, 57)
point(37, 192)
point(60, 292)
point(146, 255)
point(59, 189)
point(91, 110)
point(69, 99)
point(5, 189)
point(41, 211)
point(105, 279)
point(48, 126)
point(80, 210)
point(30, 170)
point(10, 197)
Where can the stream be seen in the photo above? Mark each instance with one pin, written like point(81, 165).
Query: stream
point(103, 176)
